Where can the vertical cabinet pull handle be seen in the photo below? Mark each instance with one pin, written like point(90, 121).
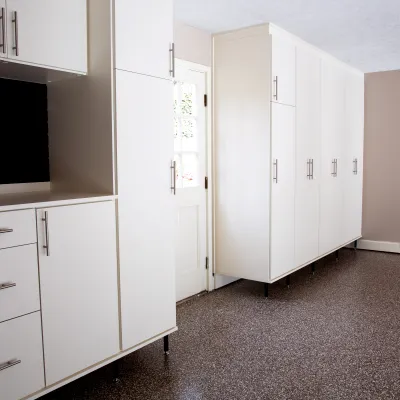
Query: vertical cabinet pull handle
point(15, 22)
point(172, 60)
point(312, 169)
point(355, 166)
point(3, 31)
point(334, 169)
point(46, 246)
point(275, 176)
point(308, 169)
point(275, 95)
point(173, 172)
point(9, 364)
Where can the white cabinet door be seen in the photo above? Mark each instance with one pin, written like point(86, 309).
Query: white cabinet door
point(51, 33)
point(308, 150)
point(283, 70)
point(79, 288)
point(283, 188)
point(332, 161)
point(354, 143)
point(3, 29)
point(143, 36)
point(146, 211)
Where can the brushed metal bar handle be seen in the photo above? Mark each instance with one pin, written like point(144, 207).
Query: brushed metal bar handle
point(3, 30)
point(173, 171)
point(9, 364)
point(312, 169)
point(333, 163)
point(6, 230)
point(275, 177)
point(172, 60)
point(7, 285)
point(46, 233)
point(355, 166)
point(308, 169)
point(336, 167)
point(15, 22)
point(276, 88)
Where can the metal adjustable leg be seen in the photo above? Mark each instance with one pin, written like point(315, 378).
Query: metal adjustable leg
point(288, 281)
point(313, 268)
point(337, 255)
point(166, 345)
point(266, 289)
point(116, 365)
point(356, 245)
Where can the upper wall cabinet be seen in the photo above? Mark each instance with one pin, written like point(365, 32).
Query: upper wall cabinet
point(48, 33)
point(144, 37)
point(283, 70)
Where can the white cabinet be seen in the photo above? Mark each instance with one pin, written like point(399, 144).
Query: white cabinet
point(51, 33)
point(144, 36)
point(332, 156)
point(79, 289)
point(353, 155)
point(282, 197)
point(283, 70)
point(308, 140)
point(21, 357)
point(3, 29)
point(145, 206)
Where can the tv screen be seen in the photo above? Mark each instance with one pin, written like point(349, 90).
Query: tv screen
point(23, 133)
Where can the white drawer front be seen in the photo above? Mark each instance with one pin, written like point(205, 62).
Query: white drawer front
point(21, 341)
point(17, 228)
point(19, 282)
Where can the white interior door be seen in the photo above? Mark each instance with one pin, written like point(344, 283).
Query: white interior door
point(283, 190)
point(145, 206)
point(283, 70)
point(308, 138)
point(48, 32)
point(3, 29)
point(79, 287)
point(190, 158)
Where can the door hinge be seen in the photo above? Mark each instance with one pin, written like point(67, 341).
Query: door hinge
point(206, 182)
point(205, 100)
point(206, 262)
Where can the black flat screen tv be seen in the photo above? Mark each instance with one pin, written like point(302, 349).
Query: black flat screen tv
point(24, 144)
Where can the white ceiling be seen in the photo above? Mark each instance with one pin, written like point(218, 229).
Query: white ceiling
point(363, 33)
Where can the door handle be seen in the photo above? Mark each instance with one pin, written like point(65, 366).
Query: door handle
point(7, 285)
point(172, 60)
point(336, 162)
point(9, 364)
point(334, 169)
point(15, 22)
point(308, 169)
point(355, 166)
point(275, 177)
point(173, 172)
point(6, 230)
point(276, 88)
point(46, 246)
point(312, 169)
point(3, 30)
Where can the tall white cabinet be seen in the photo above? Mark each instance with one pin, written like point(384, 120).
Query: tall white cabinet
point(314, 126)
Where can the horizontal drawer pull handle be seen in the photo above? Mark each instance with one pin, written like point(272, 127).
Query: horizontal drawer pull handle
point(7, 285)
point(6, 230)
point(9, 364)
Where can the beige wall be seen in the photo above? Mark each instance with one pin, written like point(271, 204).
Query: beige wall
point(381, 213)
point(192, 44)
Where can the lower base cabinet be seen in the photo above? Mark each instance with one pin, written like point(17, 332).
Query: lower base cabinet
point(79, 289)
point(21, 357)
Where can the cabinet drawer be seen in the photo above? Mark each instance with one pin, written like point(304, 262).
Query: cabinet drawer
point(17, 228)
point(19, 282)
point(21, 357)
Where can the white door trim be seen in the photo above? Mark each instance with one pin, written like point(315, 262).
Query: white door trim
point(209, 168)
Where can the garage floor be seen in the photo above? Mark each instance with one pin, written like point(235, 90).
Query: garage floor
point(334, 335)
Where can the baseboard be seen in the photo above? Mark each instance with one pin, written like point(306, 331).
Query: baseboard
point(387, 247)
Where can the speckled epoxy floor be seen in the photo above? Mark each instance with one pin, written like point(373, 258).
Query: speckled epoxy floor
point(334, 335)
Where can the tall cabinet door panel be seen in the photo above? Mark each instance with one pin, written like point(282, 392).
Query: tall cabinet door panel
point(3, 29)
point(145, 206)
point(143, 36)
point(48, 32)
point(282, 199)
point(283, 70)
point(332, 160)
point(354, 143)
point(79, 289)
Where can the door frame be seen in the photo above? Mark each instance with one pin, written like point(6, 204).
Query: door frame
point(209, 169)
